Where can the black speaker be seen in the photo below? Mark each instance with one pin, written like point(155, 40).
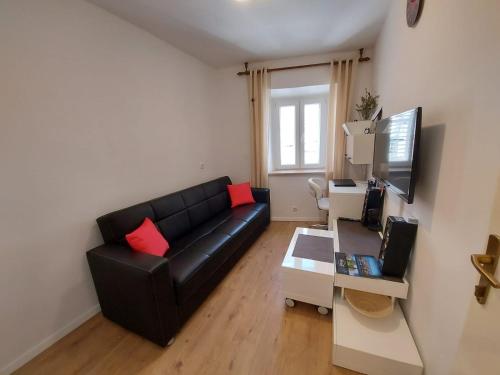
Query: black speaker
point(399, 236)
point(372, 208)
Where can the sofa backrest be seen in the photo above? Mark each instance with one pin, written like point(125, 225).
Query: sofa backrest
point(174, 214)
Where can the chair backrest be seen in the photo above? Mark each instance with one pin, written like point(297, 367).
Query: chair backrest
point(315, 187)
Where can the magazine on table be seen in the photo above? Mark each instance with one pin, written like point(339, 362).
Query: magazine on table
point(357, 265)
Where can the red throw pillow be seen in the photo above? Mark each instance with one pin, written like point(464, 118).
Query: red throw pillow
point(147, 239)
point(240, 194)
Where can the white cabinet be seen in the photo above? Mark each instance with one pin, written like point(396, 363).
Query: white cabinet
point(382, 346)
point(359, 146)
point(346, 201)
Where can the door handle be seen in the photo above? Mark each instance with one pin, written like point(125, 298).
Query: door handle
point(478, 260)
point(486, 265)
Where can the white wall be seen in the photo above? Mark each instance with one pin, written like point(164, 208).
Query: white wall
point(233, 121)
point(95, 115)
point(291, 200)
point(448, 65)
point(287, 191)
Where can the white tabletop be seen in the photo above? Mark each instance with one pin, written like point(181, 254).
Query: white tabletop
point(360, 188)
point(308, 265)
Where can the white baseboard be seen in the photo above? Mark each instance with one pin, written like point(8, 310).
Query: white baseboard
point(295, 218)
point(48, 341)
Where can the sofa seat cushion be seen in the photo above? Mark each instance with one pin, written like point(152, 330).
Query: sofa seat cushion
point(198, 233)
point(212, 224)
point(195, 264)
point(179, 245)
point(232, 227)
point(185, 264)
point(210, 244)
point(248, 212)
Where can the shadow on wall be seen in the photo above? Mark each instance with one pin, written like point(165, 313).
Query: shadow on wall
point(429, 165)
point(356, 172)
point(431, 150)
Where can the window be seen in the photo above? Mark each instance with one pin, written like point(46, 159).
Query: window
point(298, 132)
point(287, 131)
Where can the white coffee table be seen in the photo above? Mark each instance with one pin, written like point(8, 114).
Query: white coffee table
point(308, 280)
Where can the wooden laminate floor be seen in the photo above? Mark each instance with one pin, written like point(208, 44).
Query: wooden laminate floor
point(244, 327)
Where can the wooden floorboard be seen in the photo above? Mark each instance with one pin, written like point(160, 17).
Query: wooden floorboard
point(244, 327)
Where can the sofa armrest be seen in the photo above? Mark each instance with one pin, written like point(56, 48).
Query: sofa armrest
point(135, 290)
point(261, 195)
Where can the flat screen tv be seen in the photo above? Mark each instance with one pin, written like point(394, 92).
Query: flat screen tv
point(395, 154)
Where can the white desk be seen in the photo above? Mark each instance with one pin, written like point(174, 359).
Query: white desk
point(346, 201)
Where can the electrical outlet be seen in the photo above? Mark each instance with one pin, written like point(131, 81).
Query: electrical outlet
point(202, 165)
point(294, 209)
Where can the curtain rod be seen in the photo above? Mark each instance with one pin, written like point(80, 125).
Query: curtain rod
point(247, 72)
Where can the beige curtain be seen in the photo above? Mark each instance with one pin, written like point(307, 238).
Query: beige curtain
point(258, 93)
point(339, 107)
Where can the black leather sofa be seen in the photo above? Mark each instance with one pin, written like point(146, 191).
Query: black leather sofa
point(153, 296)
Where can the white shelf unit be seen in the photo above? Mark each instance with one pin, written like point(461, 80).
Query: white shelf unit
point(386, 287)
point(373, 346)
point(359, 146)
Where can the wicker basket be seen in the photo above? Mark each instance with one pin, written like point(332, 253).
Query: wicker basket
point(369, 304)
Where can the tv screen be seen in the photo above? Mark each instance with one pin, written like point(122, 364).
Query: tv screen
point(396, 151)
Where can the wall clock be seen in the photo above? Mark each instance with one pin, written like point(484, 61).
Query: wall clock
point(413, 11)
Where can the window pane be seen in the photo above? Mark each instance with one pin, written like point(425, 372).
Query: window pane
point(287, 135)
point(312, 133)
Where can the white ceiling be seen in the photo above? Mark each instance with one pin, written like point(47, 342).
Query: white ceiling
point(227, 32)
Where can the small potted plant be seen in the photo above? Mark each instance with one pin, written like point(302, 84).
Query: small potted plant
point(369, 104)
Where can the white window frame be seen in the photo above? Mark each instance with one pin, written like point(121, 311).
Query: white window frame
point(299, 103)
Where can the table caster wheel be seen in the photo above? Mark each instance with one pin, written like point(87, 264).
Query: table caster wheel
point(289, 302)
point(171, 341)
point(322, 310)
